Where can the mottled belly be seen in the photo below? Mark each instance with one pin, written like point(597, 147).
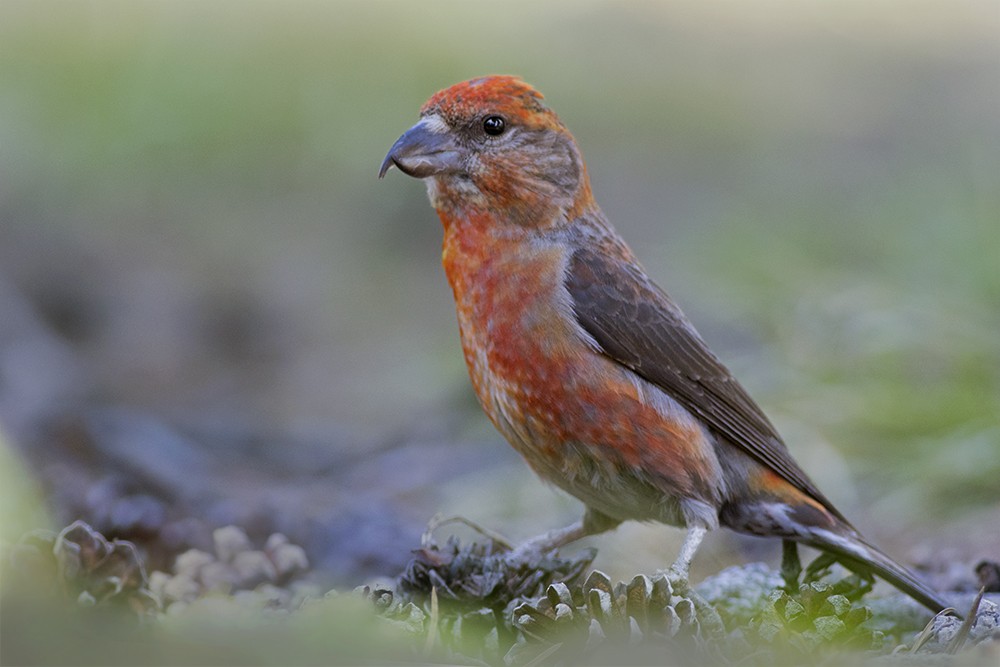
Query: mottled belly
point(590, 426)
point(580, 420)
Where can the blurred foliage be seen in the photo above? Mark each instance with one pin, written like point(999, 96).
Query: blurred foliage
point(457, 604)
point(814, 619)
point(820, 179)
point(22, 506)
point(824, 174)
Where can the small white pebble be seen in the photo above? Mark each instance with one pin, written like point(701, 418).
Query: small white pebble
point(252, 568)
point(987, 621)
point(946, 633)
point(289, 559)
point(157, 580)
point(191, 561)
point(269, 593)
point(230, 541)
point(182, 588)
point(217, 576)
point(275, 541)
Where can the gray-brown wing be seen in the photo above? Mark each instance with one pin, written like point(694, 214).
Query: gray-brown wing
point(637, 325)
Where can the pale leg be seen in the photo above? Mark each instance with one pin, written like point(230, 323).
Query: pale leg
point(593, 522)
point(711, 623)
point(681, 566)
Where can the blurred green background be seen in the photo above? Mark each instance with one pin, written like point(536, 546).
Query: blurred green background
point(189, 205)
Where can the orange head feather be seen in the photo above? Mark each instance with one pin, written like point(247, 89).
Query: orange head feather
point(498, 94)
point(490, 144)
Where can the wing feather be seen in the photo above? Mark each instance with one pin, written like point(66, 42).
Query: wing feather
point(639, 326)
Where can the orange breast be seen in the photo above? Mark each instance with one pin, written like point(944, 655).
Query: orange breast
point(574, 414)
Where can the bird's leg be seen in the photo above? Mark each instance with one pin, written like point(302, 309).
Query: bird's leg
point(593, 522)
point(677, 575)
point(679, 570)
point(552, 539)
point(791, 566)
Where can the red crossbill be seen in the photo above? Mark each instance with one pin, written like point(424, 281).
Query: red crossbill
point(583, 363)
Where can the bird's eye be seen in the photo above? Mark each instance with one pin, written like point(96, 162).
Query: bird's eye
point(493, 125)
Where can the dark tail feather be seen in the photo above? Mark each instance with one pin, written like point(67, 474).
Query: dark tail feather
point(858, 555)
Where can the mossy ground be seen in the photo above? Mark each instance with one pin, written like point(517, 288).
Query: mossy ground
point(458, 604)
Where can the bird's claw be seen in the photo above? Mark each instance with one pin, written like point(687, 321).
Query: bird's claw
point(524, 553)
point(677, 577)
point(708, 617)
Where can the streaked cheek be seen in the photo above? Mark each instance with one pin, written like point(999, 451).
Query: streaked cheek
point(558, 165)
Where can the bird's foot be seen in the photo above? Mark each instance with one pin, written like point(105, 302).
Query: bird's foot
point(678, 578)
point(534, 549)
point(531, 551)
point(708, 617)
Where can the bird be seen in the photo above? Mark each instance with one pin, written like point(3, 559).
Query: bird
point(584, 364)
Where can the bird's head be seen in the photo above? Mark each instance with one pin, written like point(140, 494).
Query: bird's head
point(490, 144)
